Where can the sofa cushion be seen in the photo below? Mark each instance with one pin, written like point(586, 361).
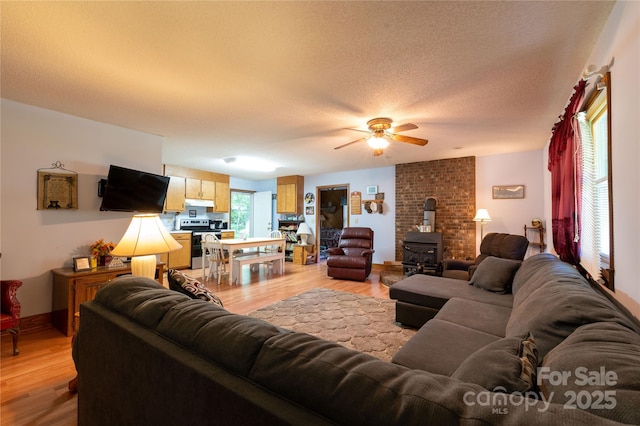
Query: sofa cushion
point(491, 319)
point(434, 292)
point(507, 365)
point(441, 346)
point(601, 362)
point(535, 271)
point(553, 311)
point(191, 287)
point(495, 274)
point(232, 341)
point(506, 246)
point(139, 298)
point(333, 380)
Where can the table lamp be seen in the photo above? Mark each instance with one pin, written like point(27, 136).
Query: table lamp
point(145, 237)
point(482, 216)
point(304, 231)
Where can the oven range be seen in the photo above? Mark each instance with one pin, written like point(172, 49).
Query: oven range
point(198, 228)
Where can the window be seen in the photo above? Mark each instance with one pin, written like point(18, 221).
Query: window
point(597, 221)
point(241, 212)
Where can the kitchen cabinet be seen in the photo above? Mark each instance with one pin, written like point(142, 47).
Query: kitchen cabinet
point(175, 201)
point(203, 185)
point(71, 288)
point(221, 204)
point(179, 259)
point(226, 235)
point(199, 189)
point(290, 194)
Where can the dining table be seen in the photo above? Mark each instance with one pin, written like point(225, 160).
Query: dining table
point(253, 247)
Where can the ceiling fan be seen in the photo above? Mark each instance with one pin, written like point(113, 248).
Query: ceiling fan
point(381, 132)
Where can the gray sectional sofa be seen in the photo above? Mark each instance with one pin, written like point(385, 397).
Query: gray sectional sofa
point(468, 328)
point(147, 355)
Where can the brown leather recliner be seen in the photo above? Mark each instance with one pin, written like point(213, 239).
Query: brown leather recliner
point(506, 246)
point(351, 260)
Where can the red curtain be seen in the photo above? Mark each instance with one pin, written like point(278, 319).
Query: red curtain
point(565, 165)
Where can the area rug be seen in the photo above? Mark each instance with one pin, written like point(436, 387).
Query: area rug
point(366, 324)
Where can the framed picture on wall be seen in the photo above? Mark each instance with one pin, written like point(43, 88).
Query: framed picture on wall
point(372, 189)
point(504, 192)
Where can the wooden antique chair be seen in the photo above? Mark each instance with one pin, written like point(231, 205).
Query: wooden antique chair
point(10, 306)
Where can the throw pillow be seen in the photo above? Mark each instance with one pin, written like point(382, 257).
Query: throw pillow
point(191, 287)
point(506, 365)
point(495, 274)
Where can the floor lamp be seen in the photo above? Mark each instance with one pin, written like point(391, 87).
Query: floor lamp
point(482, 216)
point(144, 239)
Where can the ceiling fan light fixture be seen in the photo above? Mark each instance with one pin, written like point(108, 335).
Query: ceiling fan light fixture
point(378, 142)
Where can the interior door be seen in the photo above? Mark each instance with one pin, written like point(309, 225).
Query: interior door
point(262, 214)
point(333, 215)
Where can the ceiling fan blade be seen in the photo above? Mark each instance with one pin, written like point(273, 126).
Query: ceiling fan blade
point(358, 130)
point(351, 143)
point(403, 128)
point(409, 139)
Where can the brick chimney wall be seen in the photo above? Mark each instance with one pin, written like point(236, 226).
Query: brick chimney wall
point(452, 182)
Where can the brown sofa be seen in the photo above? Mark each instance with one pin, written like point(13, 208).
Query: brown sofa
point(505, 246)
point(351, 260)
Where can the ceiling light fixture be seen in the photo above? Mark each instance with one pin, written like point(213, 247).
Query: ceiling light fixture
point(378, 142)
point(250, 163)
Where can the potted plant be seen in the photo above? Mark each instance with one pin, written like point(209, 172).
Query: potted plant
point(102, 251)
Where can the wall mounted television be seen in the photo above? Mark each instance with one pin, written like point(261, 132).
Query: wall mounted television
point(128, 190)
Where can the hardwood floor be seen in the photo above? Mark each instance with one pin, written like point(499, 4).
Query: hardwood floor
point(33, 385)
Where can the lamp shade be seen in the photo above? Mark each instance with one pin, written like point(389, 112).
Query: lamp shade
point(482, 215)
point(304, 231)
point(145, 237)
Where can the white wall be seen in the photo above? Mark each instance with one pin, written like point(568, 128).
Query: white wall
point(35, 241)
point(510, 216)
point(383, 225)
point(620, 40)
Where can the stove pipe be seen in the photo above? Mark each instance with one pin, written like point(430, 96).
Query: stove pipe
point(430, 214)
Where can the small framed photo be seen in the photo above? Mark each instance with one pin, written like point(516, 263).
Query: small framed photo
point(372, 189)
point(81, 263)
point(504, 192)
point(193, 213)
point(309, 210)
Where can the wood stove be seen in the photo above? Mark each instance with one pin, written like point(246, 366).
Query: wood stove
point(422, 253)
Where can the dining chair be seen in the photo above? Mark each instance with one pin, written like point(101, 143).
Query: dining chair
point(215, 256)
point(272, 249)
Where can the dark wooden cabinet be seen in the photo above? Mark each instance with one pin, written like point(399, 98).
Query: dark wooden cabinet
point(71, 288)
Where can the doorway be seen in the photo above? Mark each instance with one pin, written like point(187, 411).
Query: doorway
point(251, 213)
point(333, 216)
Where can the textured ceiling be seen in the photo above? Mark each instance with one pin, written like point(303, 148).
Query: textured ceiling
point(285, 80)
